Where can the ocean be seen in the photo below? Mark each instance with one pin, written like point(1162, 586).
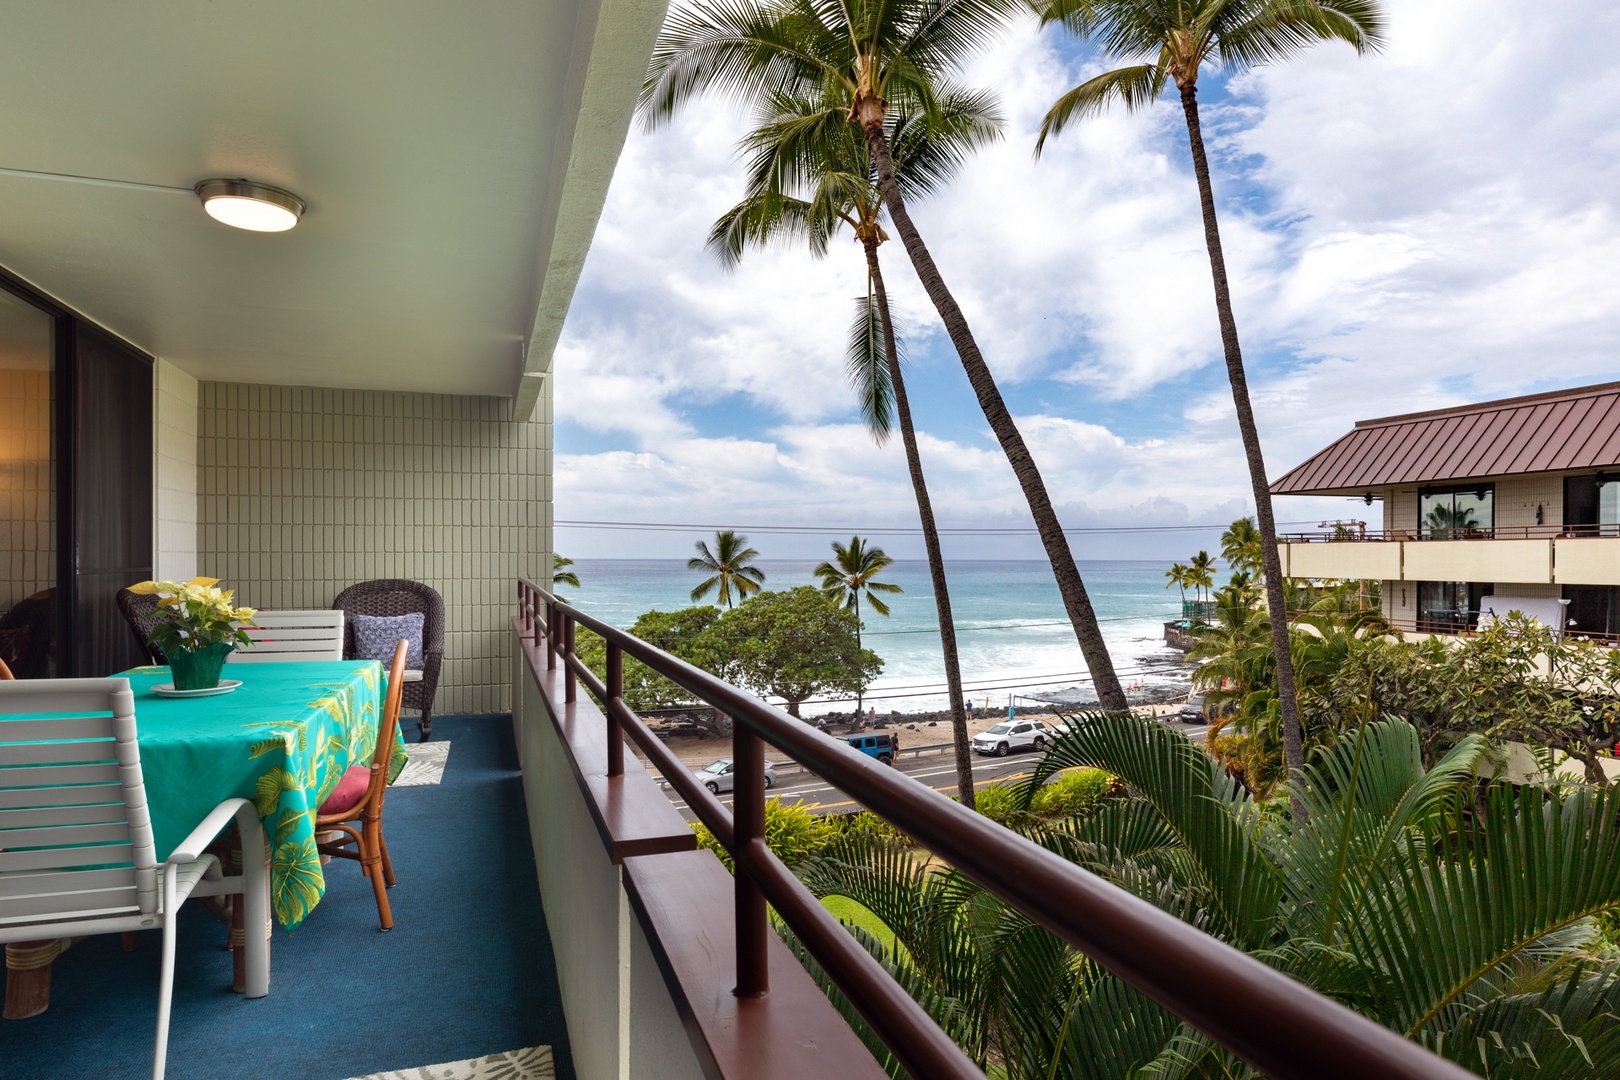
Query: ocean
point(1013, 638)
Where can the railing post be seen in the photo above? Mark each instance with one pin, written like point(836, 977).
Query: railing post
point(552, 624)
point(570, 680)
point(615, 695)
point(748, 821)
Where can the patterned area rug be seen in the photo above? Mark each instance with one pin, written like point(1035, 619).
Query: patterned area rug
point(426, 764)
point(533, 1063)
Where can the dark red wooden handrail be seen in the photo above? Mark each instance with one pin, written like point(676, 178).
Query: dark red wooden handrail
point(1280, 1026)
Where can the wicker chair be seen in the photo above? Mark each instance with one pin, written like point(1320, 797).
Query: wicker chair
point(396, 596)
point(36, 614)
point(141, 614)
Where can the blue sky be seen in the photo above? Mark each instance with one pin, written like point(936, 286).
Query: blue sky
point(1430, 225)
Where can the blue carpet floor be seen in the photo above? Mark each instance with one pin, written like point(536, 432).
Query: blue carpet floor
point(466, 971)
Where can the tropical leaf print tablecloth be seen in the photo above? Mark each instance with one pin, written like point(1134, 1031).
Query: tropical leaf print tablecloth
point(283, 739)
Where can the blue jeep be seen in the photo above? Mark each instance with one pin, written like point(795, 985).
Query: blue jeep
point(882, 746)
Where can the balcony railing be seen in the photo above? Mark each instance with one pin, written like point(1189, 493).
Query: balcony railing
point(1278, 1025)
point(1497, 532)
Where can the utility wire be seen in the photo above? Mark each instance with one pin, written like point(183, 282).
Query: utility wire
point(806, 530)
point(1011, 626)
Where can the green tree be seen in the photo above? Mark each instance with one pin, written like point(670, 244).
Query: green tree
point(1171, 40)
point(1177, 575)
point(1439, 941)
point(810, 174)
point(852, 574)
point(728, 567)
point(1241, 547)
point(795, 644)
point(899, 55)
point(1201, 573)
point(687, 634)
point(560, 574)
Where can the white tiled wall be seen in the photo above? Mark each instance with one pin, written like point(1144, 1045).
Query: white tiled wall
point(176, 473)
point(302, 492)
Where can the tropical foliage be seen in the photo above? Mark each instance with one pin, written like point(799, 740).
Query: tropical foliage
point(560, 574)
point(1459, 916)
point(728, 566)
point(195, 615)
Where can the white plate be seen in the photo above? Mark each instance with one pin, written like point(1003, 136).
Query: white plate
point(225, 686)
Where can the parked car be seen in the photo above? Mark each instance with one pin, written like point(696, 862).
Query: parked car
point(881, 745)
point(1194, 711)
point(719, 776)
point(1012, 735)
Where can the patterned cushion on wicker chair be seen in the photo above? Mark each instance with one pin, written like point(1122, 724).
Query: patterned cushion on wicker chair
point(376, 635)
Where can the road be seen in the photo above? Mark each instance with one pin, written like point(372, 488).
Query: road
point(794, 786)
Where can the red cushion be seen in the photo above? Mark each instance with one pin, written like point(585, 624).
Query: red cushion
point(350, 792)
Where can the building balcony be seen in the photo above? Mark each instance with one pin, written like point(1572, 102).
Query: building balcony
point(1546, 555)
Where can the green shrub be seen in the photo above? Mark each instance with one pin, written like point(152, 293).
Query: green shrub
point(867, 823)
point(1076, 792)
point(999, 803)
point(791, 832)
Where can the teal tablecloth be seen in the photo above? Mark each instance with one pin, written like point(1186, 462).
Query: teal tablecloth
point(283, 739)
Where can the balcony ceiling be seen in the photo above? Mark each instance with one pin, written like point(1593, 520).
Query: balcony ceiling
point(453, 157)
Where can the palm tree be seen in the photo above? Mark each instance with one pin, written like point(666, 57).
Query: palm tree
point(1178, 577)
point(1242, 548)
point(806, 145)
point(560, 574)
point(878, 56)
point(1436, 939)
point(1201, 573)
point(850, 576)
point(1171, 40)
point(728, 566)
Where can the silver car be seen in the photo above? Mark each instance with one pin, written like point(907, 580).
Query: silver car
point(719, 776)
point(1011, 735)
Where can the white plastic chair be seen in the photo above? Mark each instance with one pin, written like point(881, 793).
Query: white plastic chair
point(281, 636)
point(76, 848)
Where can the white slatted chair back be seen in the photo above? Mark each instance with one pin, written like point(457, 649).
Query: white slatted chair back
point(75, 831)
point(280, 636)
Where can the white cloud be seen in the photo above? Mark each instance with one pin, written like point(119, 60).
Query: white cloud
point(1428, 225)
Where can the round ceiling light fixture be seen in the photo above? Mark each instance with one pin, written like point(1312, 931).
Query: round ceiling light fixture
point(246, 204)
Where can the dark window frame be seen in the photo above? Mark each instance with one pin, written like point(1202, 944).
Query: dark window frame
point(1484, 531)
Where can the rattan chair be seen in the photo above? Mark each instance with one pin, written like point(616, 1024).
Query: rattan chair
point(358, 799)
point(396, 596)
point(140, 611)
point(36, 613)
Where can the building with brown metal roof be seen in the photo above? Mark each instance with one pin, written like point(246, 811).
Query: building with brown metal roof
point(1502, 505)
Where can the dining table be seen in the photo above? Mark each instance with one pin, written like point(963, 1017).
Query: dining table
point(283, 738)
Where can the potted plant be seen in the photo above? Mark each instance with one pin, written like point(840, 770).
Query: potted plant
point(198, 628)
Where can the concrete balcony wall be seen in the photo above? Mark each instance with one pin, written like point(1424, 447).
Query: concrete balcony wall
point(1501, 561)
point(1373, 559)
point(1588, 560)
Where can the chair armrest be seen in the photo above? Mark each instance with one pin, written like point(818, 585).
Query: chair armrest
point(191, 848)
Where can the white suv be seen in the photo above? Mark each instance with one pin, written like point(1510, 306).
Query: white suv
point(1012, 735)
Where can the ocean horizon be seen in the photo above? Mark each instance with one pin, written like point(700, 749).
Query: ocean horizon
point(1014, 639)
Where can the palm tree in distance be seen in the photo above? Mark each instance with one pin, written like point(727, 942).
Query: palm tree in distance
point(728, 568)
point(881, 56)
point(1170, 40)
point(1201, 573)
point(851, 575)
point(1178, 577)
point(810, 174)
point(1242, 548)
point(560, 574)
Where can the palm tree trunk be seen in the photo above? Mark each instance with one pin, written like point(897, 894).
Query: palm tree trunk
point(1075, 601)
point(936, 559)
point(860, 690)
point(1276, 604)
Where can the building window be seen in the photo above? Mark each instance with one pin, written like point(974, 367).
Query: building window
point(1592, 505)
point(1594, 610)
point(1448, 607)
point(1457, 513)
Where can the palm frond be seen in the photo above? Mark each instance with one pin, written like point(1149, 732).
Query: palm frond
point(1135, 87)
point(866, 366)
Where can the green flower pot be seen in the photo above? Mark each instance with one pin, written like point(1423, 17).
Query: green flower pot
point(199, 670)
